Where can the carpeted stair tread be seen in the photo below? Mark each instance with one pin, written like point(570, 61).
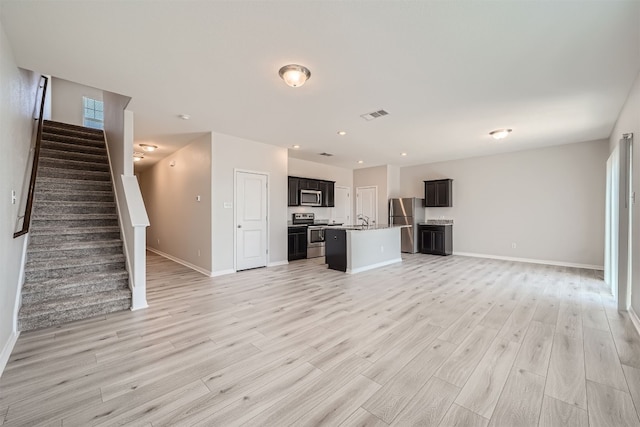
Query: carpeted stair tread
point(61, 304)
point(71, 139)
point(73, 148)
point(52, 153)
point(80, 284)
point(65, 246)
point(45, 231)
point(75, 207)
point(70, 249)
point(73, 216)
point(78, 195)
point(85, 133)
point(73, 174)
point(71, 127)
point(64, 263)
point(38, 321)
point(73, 164)
point(44, 183)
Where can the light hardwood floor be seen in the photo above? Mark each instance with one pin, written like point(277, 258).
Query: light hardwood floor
point(449, 341)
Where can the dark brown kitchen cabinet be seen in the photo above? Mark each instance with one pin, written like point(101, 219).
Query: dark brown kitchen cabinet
point(294, 191)
point(438, 193)
point(297, 245)
point(326, 187)
point(436, 239)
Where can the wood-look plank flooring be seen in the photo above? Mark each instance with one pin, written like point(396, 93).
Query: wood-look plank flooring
point(435, 341)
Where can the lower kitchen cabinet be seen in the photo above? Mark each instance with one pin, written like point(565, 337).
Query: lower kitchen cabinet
point(436, 239)
point(297, 243)
point(336, 249)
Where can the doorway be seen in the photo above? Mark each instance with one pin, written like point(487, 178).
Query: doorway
point(367, 204)
point(251, 194)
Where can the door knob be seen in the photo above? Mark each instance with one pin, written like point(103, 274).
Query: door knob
point(239, 226)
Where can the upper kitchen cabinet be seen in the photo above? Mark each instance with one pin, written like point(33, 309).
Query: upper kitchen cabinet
point(438, 193)
point(326, 187)
point(294, 191)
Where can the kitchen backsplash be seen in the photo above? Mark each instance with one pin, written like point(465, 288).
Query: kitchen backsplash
point(320, 213)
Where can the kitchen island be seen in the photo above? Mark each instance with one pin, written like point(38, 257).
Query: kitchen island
point(354, 249)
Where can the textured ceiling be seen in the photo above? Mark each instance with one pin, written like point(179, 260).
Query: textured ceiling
point(447, 72)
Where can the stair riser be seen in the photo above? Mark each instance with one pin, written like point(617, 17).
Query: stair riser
point(73, 253)
point(59, 132)
point(34, 276)
point(70, 139)
point(72, 185)
point(60, 238)
point(73, 165)
point(50, 223)
point(73, 174)
point(74, 148)
point(43, 196)
point(69, 155)
point(50, 319)
point(80, 289)
point(62, 209)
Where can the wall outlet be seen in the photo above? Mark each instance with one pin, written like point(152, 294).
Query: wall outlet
point(513, 245)
point(197, 198)
point(198, 252)
point(13, 197)
point(158, 241)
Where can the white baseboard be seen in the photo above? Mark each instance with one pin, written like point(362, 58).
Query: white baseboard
point(277, 263)
point(6, 351)
point(372, 266)
point(181, 261)
point(634, 319)
point(532, 261)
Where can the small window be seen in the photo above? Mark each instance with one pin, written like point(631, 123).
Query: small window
point(93, 113)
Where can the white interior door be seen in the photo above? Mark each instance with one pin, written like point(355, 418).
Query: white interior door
point(342, 210)
point(612, 222)
point(367, 204)
point(251, 220)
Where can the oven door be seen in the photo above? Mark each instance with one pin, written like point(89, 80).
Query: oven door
point(315, 242)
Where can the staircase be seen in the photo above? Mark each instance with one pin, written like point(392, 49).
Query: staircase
point(75, 263)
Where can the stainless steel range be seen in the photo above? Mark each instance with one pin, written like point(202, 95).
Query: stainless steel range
point(315, 233)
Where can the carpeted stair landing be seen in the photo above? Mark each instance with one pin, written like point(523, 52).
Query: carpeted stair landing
point(75, 263)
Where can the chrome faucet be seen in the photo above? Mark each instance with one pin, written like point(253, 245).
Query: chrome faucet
point(364, 219)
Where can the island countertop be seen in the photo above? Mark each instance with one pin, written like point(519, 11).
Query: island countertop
point(367, 227)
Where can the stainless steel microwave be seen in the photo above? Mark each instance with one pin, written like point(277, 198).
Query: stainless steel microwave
point(310, 198)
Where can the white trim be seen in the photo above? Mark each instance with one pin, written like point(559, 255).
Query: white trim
point(277, 263)
point(372, 266)
point(6, 351)
point(634, 319)
point(532, 261)
point(21, 279)
point(181, 261)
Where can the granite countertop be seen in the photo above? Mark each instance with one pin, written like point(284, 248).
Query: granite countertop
point(370, 227)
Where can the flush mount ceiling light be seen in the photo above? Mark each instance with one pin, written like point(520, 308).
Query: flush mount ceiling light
point(342, 133)
point(137, 156)
point(500, 133)
point(296, 146)
point(184, 116)
point(403, 154)
point(360, 162)
point(148, 147)
point(294, 75)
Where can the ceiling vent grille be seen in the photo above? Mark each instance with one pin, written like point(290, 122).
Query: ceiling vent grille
point(374, 115)
point(326, 154)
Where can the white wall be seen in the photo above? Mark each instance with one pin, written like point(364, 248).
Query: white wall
point(377, 176)
point(306, 169)
point(66, 100)
point(550, 202)
point(230, 153)
point(629, 122)
point(18, 89)
point(180, 225)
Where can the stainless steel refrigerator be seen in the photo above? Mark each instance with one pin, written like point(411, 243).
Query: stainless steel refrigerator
point(408, 211)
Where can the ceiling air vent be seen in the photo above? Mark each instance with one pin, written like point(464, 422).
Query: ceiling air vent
point(326, 154)
point(374, 115)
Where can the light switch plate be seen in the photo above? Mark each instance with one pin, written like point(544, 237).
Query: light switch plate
point(228, 205)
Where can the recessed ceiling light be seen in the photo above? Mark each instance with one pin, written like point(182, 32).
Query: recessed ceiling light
point(342, 133)
point(403, 154)
point(184, 116)
point(296, 146)
point(294, 75)
point(500, 133)
point(360, 161)
point(148, 147)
